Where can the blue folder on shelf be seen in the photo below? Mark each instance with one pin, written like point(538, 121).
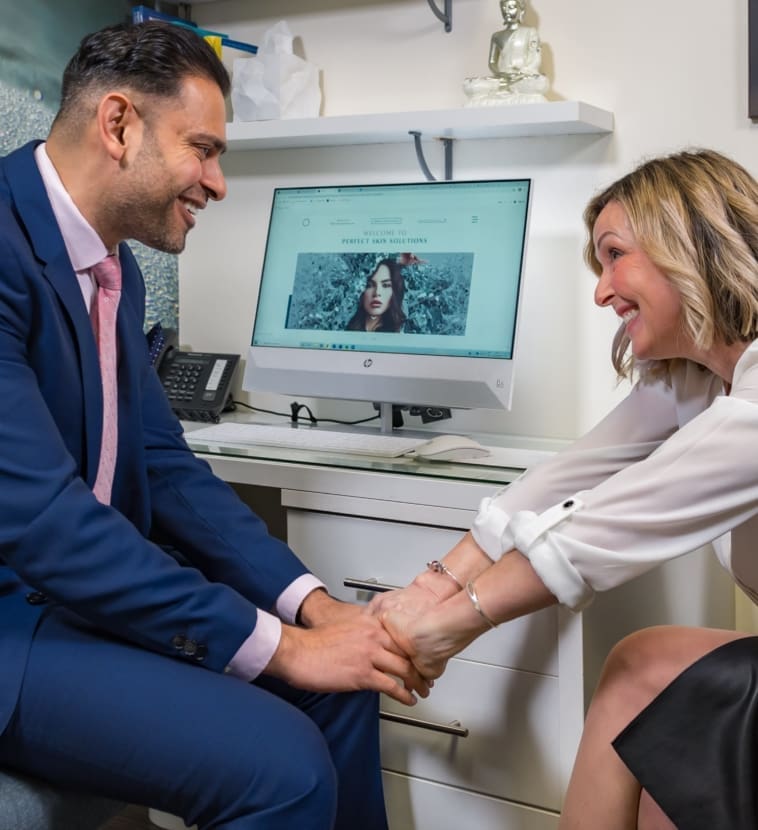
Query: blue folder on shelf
point(141, 14)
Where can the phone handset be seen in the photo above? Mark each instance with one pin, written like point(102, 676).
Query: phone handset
point(160, 341)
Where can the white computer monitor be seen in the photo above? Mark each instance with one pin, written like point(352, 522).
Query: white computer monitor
point(450, 253)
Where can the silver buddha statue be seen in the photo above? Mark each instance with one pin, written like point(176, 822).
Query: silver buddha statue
point(514, 60)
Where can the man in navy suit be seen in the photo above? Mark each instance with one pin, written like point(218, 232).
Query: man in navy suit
point(158, 647)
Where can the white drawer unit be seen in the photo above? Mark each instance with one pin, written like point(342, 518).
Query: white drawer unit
point(502, 691)
point(414, 804)
point(511, 718)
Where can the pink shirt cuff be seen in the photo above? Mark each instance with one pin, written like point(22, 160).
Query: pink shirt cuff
point(291, 598)
point(255, 653)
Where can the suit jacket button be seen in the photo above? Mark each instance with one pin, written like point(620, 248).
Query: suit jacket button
point(177, 641)
point(190, 648)
point(200, 652)
point(36, 598)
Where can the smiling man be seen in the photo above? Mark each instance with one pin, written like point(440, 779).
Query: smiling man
point(157, 645)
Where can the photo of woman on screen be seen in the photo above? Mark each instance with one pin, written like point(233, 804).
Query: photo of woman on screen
point(380, 306)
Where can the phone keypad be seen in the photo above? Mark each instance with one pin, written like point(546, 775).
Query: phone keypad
point(181, 380)
point(198, 384)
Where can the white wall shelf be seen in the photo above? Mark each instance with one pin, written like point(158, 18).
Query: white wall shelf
point(510, 121)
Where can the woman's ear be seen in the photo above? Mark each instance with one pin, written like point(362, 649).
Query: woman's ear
point(119, 124)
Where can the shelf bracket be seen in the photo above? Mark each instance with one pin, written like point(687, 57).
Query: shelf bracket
point(447, 16)
point(448, 142)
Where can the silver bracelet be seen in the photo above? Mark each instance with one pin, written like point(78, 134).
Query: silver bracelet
point(475, 602)
point(441, 568)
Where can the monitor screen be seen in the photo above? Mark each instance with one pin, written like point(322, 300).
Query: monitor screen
point(399, 293)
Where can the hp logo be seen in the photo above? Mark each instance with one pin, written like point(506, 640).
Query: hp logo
point(368, 362)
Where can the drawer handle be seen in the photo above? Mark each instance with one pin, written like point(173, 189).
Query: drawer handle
point(368, 585)
point(452, 728)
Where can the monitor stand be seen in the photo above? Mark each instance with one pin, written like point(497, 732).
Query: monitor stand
point(390, 417)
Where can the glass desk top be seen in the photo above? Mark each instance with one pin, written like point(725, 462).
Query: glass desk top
point(473, 470)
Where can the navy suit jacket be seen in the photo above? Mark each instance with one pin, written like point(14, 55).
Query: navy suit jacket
point(108, 564)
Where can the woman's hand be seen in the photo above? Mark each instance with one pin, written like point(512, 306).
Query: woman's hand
point(413, 600)
point(432, 638)
point(439, 583)
point(508, 589)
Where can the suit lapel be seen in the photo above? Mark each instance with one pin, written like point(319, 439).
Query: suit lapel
point(37, 217)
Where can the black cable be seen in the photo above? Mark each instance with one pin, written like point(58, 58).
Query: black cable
point(295, 409)
point(295, 413)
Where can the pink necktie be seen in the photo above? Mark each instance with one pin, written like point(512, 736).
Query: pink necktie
point(107, 274)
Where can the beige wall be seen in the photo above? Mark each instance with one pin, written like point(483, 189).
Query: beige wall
point(674, 74)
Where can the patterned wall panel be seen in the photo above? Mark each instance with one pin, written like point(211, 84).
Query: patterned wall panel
point(36, 40)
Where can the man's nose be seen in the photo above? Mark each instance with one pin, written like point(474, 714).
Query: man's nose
point(213, 180)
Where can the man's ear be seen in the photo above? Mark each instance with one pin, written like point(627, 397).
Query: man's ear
point(118, 124)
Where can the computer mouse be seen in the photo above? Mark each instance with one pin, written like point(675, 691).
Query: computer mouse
point(451, 448)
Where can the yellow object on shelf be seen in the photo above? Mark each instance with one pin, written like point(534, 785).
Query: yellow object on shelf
point(216, 42)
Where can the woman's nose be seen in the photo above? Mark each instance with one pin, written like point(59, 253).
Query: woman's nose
point(603, 290)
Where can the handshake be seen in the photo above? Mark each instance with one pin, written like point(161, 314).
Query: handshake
point(401, 641)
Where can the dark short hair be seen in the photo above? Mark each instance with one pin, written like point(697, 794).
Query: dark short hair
point(153, 57)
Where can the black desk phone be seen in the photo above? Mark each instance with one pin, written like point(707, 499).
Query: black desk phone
point(198, 384)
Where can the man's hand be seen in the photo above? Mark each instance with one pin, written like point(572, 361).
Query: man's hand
point(346, 655)
point(319, 608)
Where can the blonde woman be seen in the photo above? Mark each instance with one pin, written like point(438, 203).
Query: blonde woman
point(674, 245)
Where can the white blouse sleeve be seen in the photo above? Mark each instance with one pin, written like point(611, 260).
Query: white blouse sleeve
point(630, 432)
point(647, 491)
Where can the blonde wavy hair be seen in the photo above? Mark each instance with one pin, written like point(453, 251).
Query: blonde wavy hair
point(695, 214)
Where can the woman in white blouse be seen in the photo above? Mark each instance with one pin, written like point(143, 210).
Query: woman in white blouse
point(675, 466)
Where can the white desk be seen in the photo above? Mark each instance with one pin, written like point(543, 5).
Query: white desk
point(520, 691)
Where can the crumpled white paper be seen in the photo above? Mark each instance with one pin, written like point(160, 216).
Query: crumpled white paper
point(275, 83)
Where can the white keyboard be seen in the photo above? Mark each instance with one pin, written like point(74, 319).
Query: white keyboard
point(307, 438)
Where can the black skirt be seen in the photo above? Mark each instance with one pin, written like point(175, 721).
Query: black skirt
point(694, 747)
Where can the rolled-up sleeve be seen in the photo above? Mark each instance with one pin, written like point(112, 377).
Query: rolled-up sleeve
point(529, 533)
point(668, 495)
